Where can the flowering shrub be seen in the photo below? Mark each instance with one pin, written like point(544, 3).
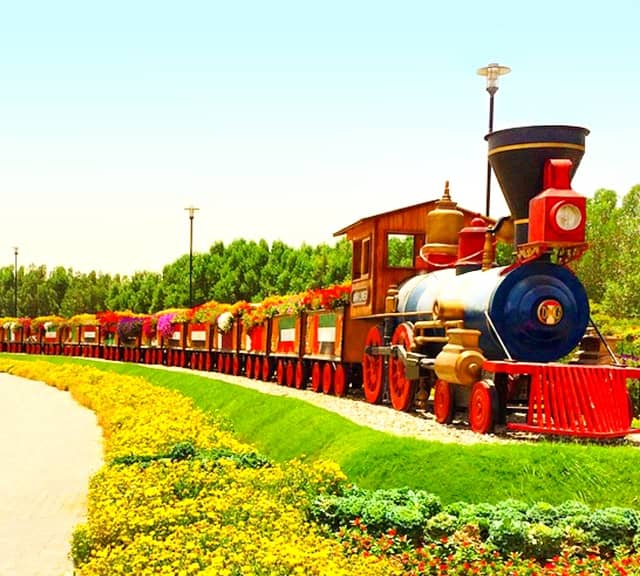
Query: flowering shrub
point(316, 299)
point(165, 324)
point(47, 322)
point(180, 495)
point(225, 321)
point(207, 313)
point(327, 298)
point(108, 322)
point(149, 326)
point(129, 327)
point(82, 320)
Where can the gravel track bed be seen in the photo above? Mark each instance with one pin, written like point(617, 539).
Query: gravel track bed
point(420, 425)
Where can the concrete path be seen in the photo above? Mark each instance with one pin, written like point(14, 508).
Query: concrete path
point(49, 447)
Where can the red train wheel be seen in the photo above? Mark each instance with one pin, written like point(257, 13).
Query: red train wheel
point(372, 369)
point(280, 372)
point(482, 407)
point(316, 377)
point(443, 402)
point(340, 379)
point(327, 378)
point(301, 375)
point(401, 389)
point(290, 374)
point(266, 369)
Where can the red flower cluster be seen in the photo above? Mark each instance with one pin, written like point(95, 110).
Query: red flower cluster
point(108, 321)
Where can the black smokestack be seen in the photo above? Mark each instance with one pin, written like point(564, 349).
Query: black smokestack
point(518, 155)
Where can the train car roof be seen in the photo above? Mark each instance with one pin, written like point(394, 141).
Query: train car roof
point(428, 206)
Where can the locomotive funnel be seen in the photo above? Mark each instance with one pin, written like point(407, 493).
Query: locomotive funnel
point(517, 156)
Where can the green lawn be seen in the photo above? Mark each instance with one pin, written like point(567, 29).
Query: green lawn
point(285, 428)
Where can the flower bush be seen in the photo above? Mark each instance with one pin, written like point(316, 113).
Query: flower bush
point(294, 304)
point(82, 320)
point(130, 327)
point(180, 495)
point(165, 324)
point(47, 322)
point(108, 322)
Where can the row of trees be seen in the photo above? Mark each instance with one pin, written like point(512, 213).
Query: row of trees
point(243, 270)
point(248, 270)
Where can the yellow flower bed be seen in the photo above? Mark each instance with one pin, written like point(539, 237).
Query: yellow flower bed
point(201, 515)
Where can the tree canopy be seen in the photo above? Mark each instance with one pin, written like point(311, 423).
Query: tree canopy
point(242, 270)
point(251, 271)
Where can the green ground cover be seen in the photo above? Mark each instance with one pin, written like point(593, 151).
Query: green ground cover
point(284, 428)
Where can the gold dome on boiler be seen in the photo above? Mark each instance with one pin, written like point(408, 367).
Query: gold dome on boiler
point(443, 224)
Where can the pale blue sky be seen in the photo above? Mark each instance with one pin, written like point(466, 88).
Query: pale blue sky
point(284, 120)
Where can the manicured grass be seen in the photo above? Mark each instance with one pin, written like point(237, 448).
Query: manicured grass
point(285, 428)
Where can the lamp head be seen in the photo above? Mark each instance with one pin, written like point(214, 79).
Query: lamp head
point(493, 73)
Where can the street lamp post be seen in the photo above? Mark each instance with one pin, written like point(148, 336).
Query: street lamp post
point(15, 282)
point(492, 73)
point(192, 211)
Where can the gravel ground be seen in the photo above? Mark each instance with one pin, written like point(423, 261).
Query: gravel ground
point(417, 425)
point(420, 424)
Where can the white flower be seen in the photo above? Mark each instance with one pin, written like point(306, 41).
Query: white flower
point(225, 320)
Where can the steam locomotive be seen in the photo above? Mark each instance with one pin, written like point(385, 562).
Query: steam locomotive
point(445, 329)
point(488, 339)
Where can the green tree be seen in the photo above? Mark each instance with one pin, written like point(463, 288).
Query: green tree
point(600, 260)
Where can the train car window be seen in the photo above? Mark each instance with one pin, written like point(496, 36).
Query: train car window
point(355, 260)
point(361, 261)
point(366, 256)
point(400, 250)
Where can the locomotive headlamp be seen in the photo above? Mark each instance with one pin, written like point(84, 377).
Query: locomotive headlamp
point(566, 216)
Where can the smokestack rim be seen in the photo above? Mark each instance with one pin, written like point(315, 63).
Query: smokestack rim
point(540, 135)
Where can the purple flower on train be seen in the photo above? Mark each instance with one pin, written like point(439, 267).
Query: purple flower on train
point(129, 327)
point(165, 327)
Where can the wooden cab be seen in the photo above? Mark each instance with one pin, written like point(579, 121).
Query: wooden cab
point(386, 250)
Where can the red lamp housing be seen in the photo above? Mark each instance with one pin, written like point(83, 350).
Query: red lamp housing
point(558, 215)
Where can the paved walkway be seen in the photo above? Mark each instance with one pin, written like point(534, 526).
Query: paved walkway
point(49, 447)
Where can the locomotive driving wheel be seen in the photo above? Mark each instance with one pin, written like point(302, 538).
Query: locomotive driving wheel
point(443, 402)
point(401, 389)
point(372, 367)
point(483, 405)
